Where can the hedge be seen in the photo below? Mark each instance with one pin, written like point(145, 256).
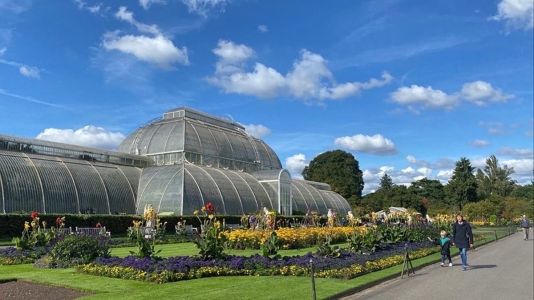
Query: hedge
point(11, 224)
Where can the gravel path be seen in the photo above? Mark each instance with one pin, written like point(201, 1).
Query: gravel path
point(500, 270)
point(33, 291)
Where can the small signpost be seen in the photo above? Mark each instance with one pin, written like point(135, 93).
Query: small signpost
point(314, 295)
point(407, 265)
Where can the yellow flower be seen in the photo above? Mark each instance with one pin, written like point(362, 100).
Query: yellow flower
point(26, 225)
point(195, 212)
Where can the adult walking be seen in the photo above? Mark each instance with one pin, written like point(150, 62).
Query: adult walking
point(525, 224)
point(462, 237)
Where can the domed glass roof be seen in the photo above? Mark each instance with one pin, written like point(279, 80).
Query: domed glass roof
point(186, 134)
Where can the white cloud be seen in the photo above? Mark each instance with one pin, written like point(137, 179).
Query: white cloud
point(479, 143)
point(82, 5)
point(445, 174)
point(375, 144)
point(263, 28)
point(408, 170)
point(423, 96)
point(24, 70)
point(257, 130)
point(124, 14)
point(478, 92)
point(31, 72)
point(516, 152)
point(158, 50)
point(309, 77)
point(411, 159)
point(517, 14)
point(147, 3)
point(424, 171)
point(90, 136)
point(482, 93)
point(230, 53)
point(295, 164)
point(203, 7)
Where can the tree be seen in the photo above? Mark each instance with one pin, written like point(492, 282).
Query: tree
point(494, 180)
point(462, 187)
point(386, 183)
point(429, 192)
point(340, 170)
point(525, 191)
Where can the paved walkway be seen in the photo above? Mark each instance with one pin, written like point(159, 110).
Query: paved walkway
point(500, 270)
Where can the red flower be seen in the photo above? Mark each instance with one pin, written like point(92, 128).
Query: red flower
point(35, 214)
point(58, 221)
point(210, 209)
point(98, 225)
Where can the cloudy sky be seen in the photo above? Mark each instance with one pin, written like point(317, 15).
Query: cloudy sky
point(408, 87)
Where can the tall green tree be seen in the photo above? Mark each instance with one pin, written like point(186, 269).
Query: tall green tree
point(386, 183)
point(494, 180)
point(429, 192)
point(340, 170)
point(462, 187)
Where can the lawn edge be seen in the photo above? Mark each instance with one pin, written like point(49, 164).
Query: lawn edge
point(376, 282)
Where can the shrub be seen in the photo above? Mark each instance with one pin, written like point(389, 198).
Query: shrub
point(271, 246)
point(78, 249)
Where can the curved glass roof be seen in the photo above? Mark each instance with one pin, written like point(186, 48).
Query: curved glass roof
point(231, 192)
point(205, 139)
point(62, 185)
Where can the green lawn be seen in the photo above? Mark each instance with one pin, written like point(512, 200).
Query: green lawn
point(190, 249)
point(260, 287)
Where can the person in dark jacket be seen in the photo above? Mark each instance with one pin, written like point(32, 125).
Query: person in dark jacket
point(525, 224)
point(462, 237)
point(445, 243)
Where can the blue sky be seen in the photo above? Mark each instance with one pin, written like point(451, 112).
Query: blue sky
point(408, 87)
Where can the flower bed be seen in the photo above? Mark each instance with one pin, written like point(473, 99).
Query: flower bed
point(291, 238)
point(348, 265)
point(14, 256)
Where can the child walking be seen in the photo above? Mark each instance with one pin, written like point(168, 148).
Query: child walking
point(445, 243)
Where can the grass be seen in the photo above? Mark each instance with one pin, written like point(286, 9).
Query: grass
point(261, 287)
point(189, 249)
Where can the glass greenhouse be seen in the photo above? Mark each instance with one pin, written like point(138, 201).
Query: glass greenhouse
point(176, 163)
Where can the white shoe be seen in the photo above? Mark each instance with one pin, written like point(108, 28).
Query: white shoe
point(450, 264)
point(442, 264)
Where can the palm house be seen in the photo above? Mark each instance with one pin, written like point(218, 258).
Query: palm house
point(176, 163)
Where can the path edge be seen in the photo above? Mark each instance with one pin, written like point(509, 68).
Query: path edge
point(370, 284)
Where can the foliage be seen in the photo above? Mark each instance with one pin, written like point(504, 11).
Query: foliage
point(271, 245)
point(145, 246)
point(525, 191)
point(340, 170)
point(116, 224)
point(346, 265)
point(494, 180)
point(462, 187)
point(78, 249)
point(211, 240)
point(325, 248)
point(14, 256)
point(386, 183)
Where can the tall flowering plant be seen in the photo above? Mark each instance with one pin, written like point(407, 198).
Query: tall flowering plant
point(145, 241)
point(34, 234)
point(211, 240)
